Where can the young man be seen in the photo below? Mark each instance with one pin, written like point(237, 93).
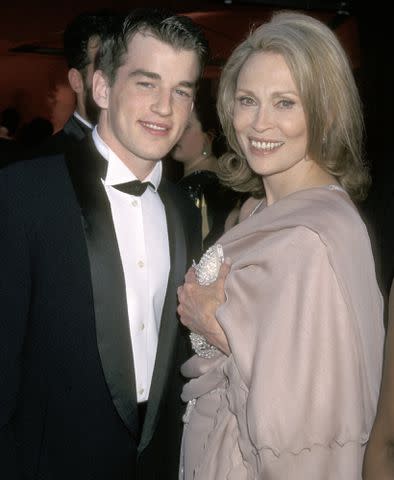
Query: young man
point(89, 368)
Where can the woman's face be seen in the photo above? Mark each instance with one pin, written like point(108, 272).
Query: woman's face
point(269, 119)
point(191, 144)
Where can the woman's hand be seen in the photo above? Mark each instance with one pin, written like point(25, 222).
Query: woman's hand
point(198, 305)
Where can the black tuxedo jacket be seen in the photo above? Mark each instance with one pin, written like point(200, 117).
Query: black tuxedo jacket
point(73, 132)
point(75, 129)
point(67, 393)
point(9, 151)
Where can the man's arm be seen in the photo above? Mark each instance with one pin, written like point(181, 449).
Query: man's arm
point(198, 305)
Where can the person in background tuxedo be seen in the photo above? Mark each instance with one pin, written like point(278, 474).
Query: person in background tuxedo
point(91, 346)
point(81, 41)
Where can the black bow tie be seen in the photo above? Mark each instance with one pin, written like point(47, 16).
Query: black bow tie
point(136, 187)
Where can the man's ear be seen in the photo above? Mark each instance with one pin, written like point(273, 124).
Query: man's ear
point(100, 89)
point(75, 79)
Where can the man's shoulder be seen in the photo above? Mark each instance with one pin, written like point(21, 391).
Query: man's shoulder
point(72, 133)
point(31, 191)
point(26, 175)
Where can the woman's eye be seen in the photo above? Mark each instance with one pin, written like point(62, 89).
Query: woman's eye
point(285, 103)
point(244, 100)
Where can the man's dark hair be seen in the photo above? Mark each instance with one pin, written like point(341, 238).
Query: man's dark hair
point(178, 31)
point(82, 28)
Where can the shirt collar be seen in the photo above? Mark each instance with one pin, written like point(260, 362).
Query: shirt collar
point(117, 171)
point(82, 120)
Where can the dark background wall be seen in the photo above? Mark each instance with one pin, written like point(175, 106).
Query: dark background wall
point(376, 80)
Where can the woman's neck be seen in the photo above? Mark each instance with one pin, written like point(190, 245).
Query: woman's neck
point(283, 184)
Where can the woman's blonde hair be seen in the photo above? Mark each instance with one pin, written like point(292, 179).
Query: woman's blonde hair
point(323, 76)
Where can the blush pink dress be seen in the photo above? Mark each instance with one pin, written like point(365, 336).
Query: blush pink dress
point(304, 319)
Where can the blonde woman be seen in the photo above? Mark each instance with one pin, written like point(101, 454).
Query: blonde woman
point(285, 380)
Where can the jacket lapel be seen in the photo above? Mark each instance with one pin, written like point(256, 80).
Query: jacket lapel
point(169, 326)
point(76, 129)
point(86, 169)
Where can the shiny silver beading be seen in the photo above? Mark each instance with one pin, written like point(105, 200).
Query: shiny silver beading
point(207, 270)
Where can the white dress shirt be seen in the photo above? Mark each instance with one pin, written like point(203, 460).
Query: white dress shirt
point(141, 231)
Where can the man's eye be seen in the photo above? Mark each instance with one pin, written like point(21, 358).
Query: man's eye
point(145, 84)
point(183, 93)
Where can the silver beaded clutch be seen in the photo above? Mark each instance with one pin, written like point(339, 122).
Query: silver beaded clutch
point(207, 270)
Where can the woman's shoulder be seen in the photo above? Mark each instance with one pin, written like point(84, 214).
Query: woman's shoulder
point(328, 211)
point(308, 220)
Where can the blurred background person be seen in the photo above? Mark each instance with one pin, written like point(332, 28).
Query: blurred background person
point(32, 134)
point(81, 39)
point(198, 150)
point(9, 123)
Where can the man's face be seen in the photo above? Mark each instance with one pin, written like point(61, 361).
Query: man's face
point(146, 109)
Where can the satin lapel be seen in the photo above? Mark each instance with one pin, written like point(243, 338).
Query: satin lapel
point(169, 323)
point(110, 304)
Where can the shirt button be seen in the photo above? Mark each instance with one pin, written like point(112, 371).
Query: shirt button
point(141, 264)
point(134, 203)
point(141, 391)
point(142, 326)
